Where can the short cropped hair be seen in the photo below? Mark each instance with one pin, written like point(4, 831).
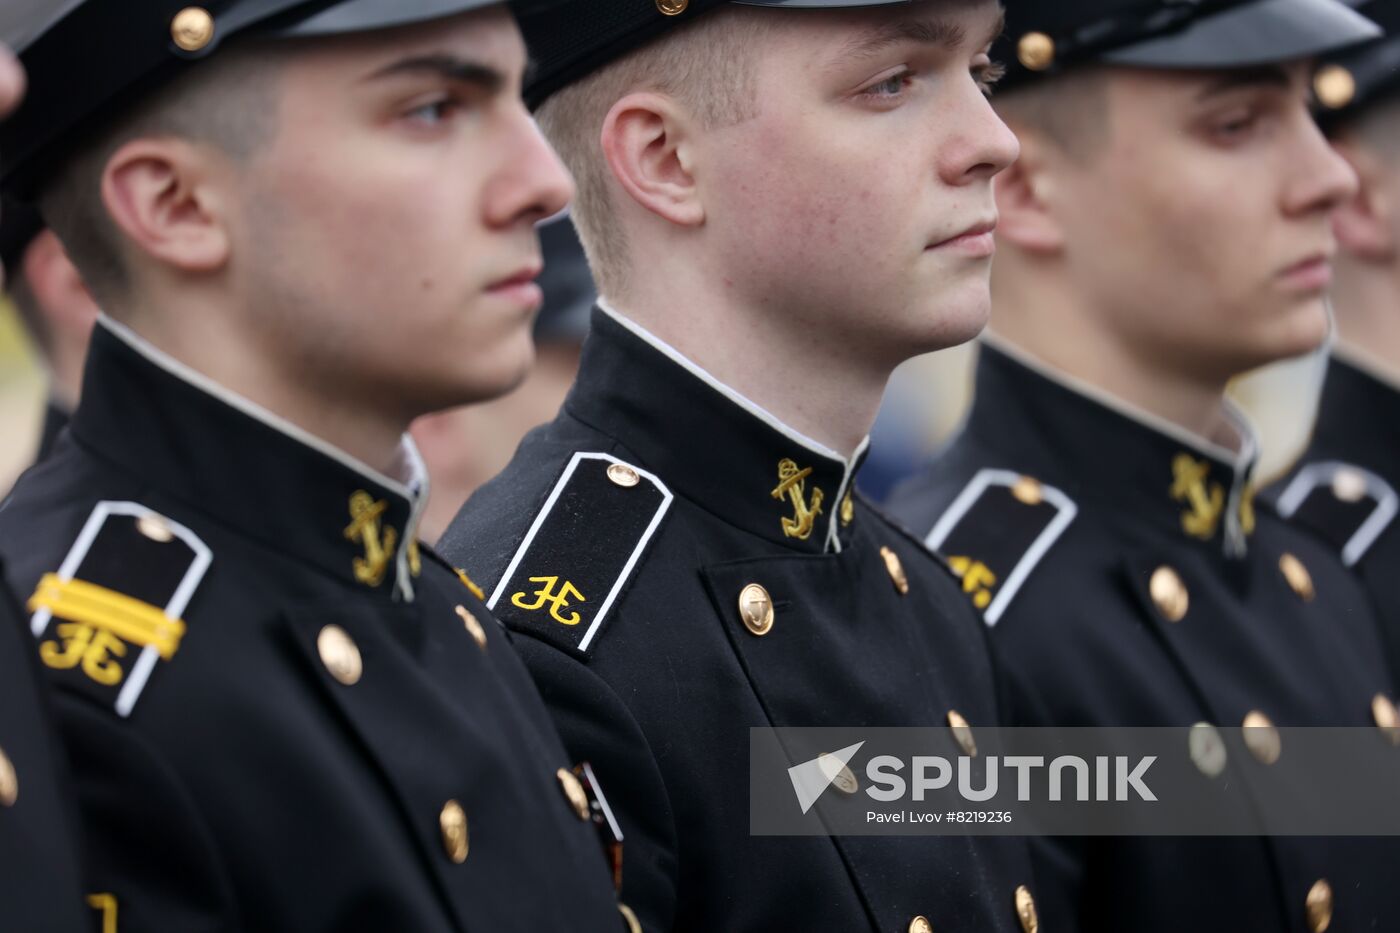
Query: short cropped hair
point(1070, 110)
point(709, 65)
point(228, 102)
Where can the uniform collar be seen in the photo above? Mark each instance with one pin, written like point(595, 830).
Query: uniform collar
point(1356, 366)
point(56, 418)
point(1098, 446)
point(710, 443)
point(1359, 416)
point(194, 440)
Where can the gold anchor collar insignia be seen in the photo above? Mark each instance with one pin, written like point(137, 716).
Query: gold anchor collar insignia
point(380, 528)
point(792, 486)
point(1214, 500)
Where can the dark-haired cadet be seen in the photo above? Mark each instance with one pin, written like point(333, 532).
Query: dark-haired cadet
point(306, 223)
point(40, 888)
point(1347, 485)
point(1166, 229)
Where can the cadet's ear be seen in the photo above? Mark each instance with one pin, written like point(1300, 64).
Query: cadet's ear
point(646, 143)
point(158, 193)
point(58, 287)
point(1022, 193)
point(1365, 225)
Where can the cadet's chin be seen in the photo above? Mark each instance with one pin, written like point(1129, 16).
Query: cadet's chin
point(489, 374)
point(1303, 328)
point(956, 316)
point(1309, 324)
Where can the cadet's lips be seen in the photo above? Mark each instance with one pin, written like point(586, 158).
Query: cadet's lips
point(976, 241)
point(521, 287)
point(1313, 274)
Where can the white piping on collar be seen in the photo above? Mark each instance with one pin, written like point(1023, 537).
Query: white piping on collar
point(413, 487)
point(1240, 460)
point(1234, 538)
point(833, 530)
point(752, 407)
point(833, 537)
point(1358, 358)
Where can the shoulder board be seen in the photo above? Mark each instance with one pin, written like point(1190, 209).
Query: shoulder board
point(581, 551)
point(1347, 505)
point(113, 610)
point(998, 528)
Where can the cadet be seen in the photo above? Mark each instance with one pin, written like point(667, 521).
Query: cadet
point(306, 229)
point(40, 888)
point(55, 308)
point(681, 551)
point(1345, 485)
point(1166, 228)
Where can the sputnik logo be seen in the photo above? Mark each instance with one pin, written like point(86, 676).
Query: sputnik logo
point(811, 778)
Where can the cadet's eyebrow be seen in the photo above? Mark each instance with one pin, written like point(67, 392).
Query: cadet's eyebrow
point(948, 34)
point(450, 67)
point(1266, 76)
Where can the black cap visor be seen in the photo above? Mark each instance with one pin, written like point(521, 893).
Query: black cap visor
point(365, 15)
point(1263, 33)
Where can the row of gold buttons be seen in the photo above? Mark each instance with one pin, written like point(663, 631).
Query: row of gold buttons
point(343, 660)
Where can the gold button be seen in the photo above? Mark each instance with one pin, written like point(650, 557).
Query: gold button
point(845, 780)
point(1028, 491)
point(920, 925)
point(1036, 51)
point(455, 841)
point(1349, 485)
point(474, 628)
point(848, 509)
point(340, 654)
point(628, 917)
point(1025, 910)
point(962, 733)
point(573, 790)
point(672, 7)
point(1297, 576)
point(9, 781)
point(756, 609)
point(1261, 738)
point(896, 570)
point(155, 528)
point(1207, 749)
point(623, 475)
point(1334, 86)
point(1387, 717)
point(1319, 906)
point(1169, 594)
point(192, 28)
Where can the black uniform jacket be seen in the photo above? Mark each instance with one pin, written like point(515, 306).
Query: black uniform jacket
point(1345, 486)
point(1128, 579)
point(280, 714)
point(56, 419)
point(40, 887)
point(634, 544)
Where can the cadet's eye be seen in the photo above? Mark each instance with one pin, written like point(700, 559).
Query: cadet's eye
point(1234, 125)
point(890, 88)
point(432, 113)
